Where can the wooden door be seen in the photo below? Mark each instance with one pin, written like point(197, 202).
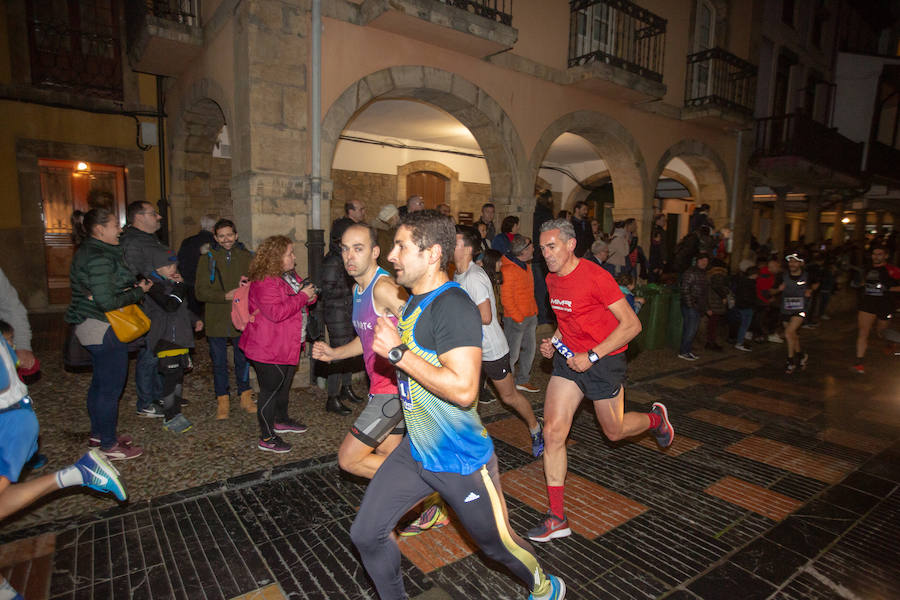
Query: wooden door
point(64, 189)
point(431, 186)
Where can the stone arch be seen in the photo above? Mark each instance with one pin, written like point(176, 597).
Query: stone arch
point(469, 104)
point(578, 193)
point(616, 146)
point(199, 182)
point(710, 172)
point(455, 188)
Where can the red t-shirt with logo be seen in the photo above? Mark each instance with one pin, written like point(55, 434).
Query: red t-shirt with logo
point(580, 301)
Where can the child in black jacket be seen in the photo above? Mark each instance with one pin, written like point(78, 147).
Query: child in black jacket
point(171, 334)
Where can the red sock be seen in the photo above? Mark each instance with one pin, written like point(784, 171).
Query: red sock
point(655, 420)
point(556, 493)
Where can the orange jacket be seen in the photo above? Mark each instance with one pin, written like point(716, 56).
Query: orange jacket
point(517, 291)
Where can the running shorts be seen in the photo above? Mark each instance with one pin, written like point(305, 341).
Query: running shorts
point(601, 382)
point(382, 416)
point(497, 369)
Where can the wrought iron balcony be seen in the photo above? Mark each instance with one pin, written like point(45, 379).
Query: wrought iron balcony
point(795, 148)
point(495, 10)
point(718, 78)
point(164, 36)
point(475, 27)
point(618, 33)
point(883, 161)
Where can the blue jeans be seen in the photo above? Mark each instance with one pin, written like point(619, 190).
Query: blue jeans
point(110, 361)
point(147, 379)
point(218, 353)
point(746, 315)
point(690, 325)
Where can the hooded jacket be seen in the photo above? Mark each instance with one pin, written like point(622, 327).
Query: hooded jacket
point(138, 247)
point(275, 335)
point(100, 282)
point(517, 290)
point(218, 272)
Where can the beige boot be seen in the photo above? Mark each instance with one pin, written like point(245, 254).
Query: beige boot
point(222, 410)
point(247, 402)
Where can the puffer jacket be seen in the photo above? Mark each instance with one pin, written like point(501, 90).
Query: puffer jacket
point(138, 247)
point(275, 335)
point(213, 282)
point(336, 308)
point(695, 289)
point(100, 282)
point(517, 290)
point(171, 323)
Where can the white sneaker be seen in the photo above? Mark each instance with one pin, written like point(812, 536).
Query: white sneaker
point(774, 337)
point(688, 356)
point(742, 348)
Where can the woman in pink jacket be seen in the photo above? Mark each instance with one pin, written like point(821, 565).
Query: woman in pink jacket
point(273, 338)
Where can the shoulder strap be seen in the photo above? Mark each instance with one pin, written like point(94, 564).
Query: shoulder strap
point(437, 292)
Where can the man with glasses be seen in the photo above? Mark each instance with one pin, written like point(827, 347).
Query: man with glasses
point(139, 243)
point(519, 310)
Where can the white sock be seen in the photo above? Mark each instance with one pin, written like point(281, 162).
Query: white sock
point(68, 477)
point(536, 429)
point(6, 591)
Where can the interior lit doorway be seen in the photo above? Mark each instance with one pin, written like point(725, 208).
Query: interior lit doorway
point(431, 186)
point(67, 186)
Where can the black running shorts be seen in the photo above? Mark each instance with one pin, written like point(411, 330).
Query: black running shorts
point(601, 382)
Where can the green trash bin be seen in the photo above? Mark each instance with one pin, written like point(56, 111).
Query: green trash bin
point(673, 329)
point(654, 315)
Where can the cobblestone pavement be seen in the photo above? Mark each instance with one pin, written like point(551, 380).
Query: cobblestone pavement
point(776, 487)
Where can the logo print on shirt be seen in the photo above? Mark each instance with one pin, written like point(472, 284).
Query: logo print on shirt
point(472, 497)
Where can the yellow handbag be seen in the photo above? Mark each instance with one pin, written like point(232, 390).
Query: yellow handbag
point(128, 323)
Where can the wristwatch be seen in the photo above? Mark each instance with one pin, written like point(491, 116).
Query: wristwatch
point(396, 353)
point(592, 356)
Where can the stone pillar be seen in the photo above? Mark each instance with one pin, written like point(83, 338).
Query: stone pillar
point(778, 220)
point(837, 232)
point(271, 185)
point(746, 222)
point(859, 227)
point(813, 231)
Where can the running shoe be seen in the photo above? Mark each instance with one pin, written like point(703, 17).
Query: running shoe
point(274, 444)
point(177, 424)
point(790, 367)
point(858, 369)
point(550, 528)
point(486, 396)
point(98, 474)
point(153, 411)
point(804, 360)
point(774, 337)
point(664, 432)
point(527, 387)
point(688, 356)
point(537, 440)
point(557, 590)
point(743, 347)
point(290, 426)
point(125, 440)
point(122, 452)
point(433, 517)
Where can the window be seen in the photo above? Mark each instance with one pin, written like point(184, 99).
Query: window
point(782, 84)
point(74, 46)
point(704, 39)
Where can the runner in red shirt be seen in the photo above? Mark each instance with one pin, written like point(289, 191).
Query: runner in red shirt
point(595, 324)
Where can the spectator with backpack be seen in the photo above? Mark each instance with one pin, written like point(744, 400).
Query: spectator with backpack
point(273, 337)
point(220, 272)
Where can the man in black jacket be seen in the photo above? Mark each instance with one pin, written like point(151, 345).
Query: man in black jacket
point(694, 304)
point(189, 255)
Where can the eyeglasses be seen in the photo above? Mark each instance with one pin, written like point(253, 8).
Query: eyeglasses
point(148, 212)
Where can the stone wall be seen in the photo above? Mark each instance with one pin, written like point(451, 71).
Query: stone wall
point(378, 189)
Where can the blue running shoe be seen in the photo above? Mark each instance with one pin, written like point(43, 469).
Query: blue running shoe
point(98, 474)
point(557, 590)
point(537, 440)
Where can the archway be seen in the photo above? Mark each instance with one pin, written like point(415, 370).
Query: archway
point(494, 132)
point(709, 173)
point(201, 166)
point(617, 149)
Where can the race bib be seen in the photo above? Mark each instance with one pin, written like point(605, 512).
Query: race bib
point(874, 289)
point(403, 391)
point(793, 303)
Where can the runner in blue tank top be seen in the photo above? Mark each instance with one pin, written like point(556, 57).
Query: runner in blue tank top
point(438, 356)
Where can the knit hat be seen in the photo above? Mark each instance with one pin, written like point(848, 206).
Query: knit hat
point(388, 212)
point(160, 257)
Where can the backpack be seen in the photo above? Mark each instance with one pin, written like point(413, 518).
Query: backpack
point(240, 308)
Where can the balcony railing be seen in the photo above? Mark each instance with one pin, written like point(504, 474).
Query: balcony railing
point(495, 10)
point(799, 135)
point(719, 78)
point(619, 33)
point(883, 160)
point(177, 11)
